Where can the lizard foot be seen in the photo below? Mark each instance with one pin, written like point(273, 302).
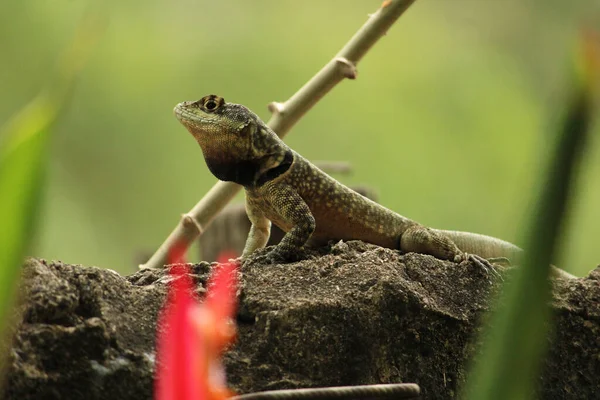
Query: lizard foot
point(276, 256)
point(486, 265)
point(237, 260)
point(271, 257)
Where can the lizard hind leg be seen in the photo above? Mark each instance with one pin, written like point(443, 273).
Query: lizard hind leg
point(420, 239)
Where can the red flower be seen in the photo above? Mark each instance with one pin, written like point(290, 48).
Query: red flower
point(193, 335)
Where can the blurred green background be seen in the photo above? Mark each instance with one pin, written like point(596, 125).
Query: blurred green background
point(449, 119)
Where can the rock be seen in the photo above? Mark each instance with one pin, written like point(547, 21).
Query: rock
point(351, 314)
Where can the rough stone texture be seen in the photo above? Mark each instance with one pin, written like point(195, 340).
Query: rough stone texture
point(351, 314)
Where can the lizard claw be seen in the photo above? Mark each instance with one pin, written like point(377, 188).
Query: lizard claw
point(269, 259)
point(237, 260)
point(486, 265)
point(272, 257)
point(278, 256)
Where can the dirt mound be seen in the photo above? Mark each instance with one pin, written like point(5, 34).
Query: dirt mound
point(350, 314)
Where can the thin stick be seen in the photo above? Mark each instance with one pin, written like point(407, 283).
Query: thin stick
point(395, 391)
point(285, 115)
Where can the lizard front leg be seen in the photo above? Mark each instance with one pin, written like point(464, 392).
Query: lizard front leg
point(420, 239)
point(291, 208)
point(259, 231)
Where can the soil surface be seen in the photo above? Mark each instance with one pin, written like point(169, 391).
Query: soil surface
point(350, 314)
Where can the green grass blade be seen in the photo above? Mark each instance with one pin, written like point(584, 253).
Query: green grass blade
point(509, 364)
point(23, 153)
point(21, 160)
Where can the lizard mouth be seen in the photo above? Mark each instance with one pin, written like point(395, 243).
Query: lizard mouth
point(181, 113)
point(191, 119)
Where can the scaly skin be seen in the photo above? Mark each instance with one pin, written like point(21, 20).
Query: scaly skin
point(284, 188)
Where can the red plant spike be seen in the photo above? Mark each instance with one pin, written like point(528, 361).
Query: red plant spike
point(213, 322)
point(192, 336)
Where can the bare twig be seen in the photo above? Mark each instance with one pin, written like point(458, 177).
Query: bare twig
point(285, 115)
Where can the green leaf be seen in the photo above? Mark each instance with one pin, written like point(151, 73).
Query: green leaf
point(509, 365)
point(23, 154)
point(22, 157)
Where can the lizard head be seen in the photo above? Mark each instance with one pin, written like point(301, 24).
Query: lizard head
point(237, 145)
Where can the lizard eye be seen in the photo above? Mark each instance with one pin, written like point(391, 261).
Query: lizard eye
point(211, 105)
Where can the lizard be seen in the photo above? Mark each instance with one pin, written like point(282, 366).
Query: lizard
point(286, 189)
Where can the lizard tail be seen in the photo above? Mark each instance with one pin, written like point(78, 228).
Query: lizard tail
point(484, 246)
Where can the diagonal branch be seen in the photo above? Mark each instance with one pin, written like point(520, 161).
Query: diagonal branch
point(285, 115)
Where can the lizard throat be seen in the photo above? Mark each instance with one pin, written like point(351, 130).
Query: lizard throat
point(246, 172)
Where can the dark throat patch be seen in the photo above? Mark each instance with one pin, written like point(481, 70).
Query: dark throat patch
point(240, 172)
point(245, 172)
